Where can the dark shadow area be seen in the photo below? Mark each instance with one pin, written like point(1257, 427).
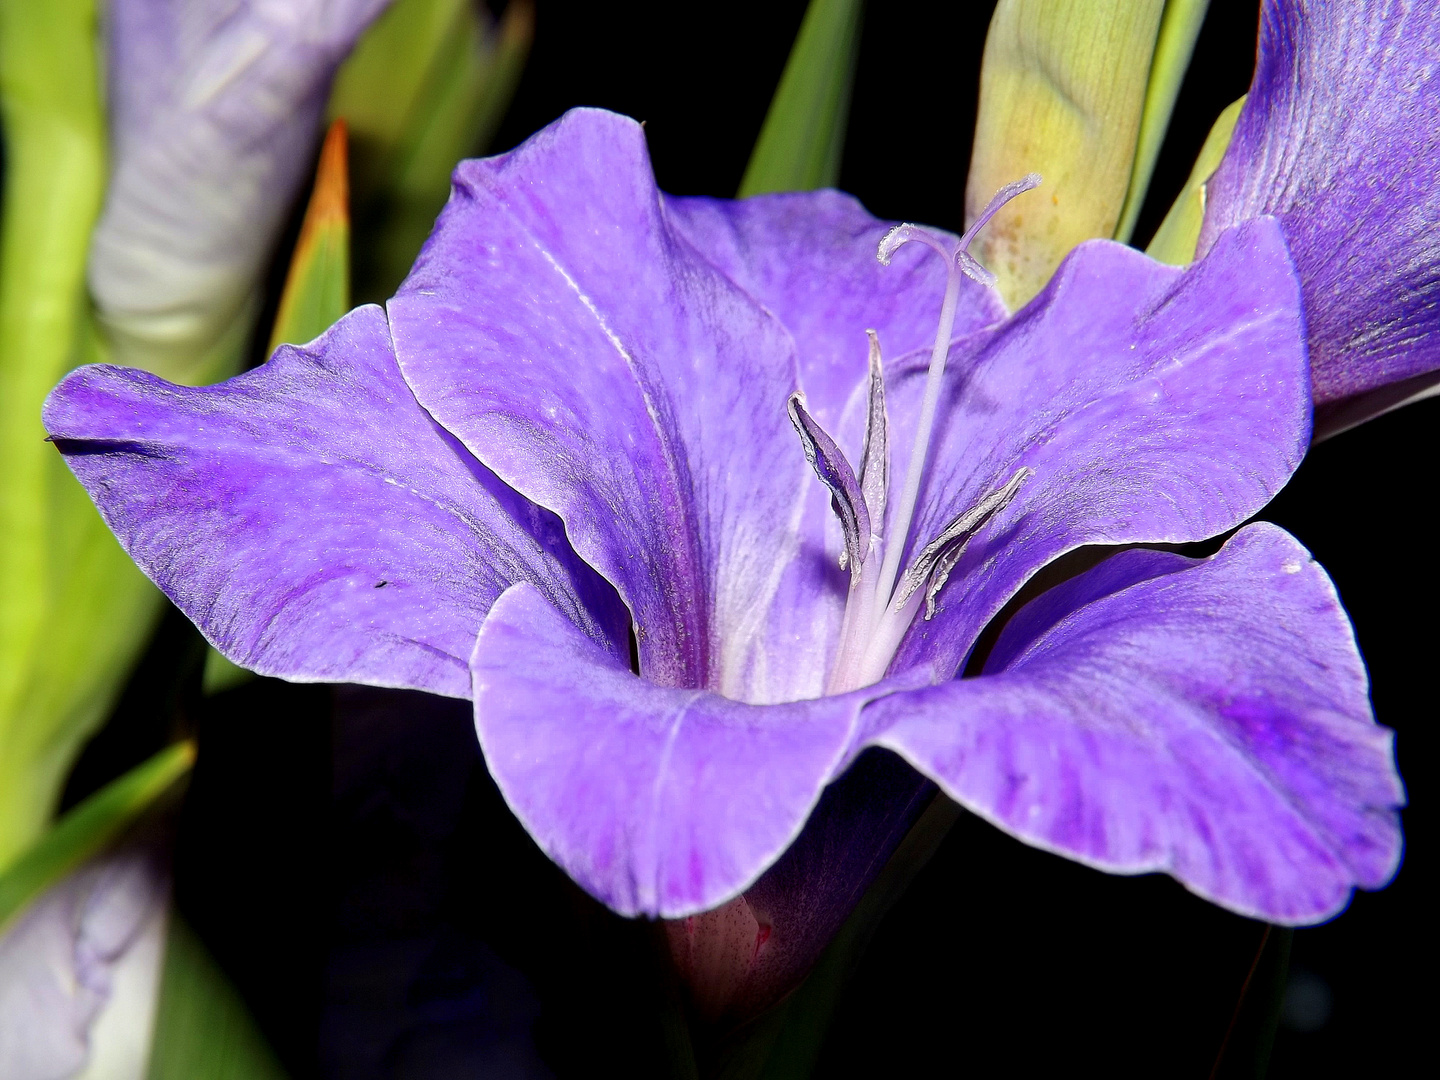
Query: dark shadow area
point(156, 707)
point(912, 119)
point(699, 77)
point(1004, 960)
point(251, 864)
point(1219, 73)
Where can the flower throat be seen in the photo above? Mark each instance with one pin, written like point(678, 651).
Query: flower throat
point(882, 603)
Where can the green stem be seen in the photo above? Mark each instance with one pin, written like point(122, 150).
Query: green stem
point(73, 610)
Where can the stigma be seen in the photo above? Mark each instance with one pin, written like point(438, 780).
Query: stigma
point(882, 602)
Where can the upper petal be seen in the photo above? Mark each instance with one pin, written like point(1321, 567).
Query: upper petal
point(810, 257)
point(1208, 719)
point(575, 342)
point(311, 518)
point(1340, 138)
point(1153, 405)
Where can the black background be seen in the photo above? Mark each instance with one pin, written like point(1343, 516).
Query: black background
point(348, 860)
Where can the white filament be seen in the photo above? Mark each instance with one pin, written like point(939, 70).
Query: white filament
point(876, 619)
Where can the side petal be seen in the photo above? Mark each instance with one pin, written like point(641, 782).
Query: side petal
point(1153, 405)
point(658, 801)
point(562, 330)
point(1340, 138)
point(1207, 719)
point(311, 518)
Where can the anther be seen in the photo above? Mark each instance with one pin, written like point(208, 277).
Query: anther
point(932, 566)
point(955, 266)
point(835, 473)
point(875, 458)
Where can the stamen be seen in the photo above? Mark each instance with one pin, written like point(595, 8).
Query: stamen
point(877, 615)
point(902, 234)
point(933, 565)
point(835, 473)
point(875, 459)
point(930, 569)
point(934, 379)
point(860, 605)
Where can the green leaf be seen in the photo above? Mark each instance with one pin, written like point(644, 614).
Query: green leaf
point(1174, 242)
point(801, 142)
point(1179, 27)
point(90, 827)
point(1063, 90)
point(376, 88)
point(317, 286)
point(426, 87)
point(74, 612)
point(202, 1029)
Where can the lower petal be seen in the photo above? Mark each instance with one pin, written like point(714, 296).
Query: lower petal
point(1206, 719)
point(658, 801)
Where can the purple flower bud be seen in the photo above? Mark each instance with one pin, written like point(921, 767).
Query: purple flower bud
point(215, 108)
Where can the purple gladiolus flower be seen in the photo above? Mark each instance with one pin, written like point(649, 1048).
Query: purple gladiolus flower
point(1340, 139)
point(571, 472)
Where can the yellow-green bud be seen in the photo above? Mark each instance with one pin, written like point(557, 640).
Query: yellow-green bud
point(1062, 93)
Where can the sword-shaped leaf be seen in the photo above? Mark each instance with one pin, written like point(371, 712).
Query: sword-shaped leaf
point(801, 142)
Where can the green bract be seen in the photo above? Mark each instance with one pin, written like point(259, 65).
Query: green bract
point(1174, 242)
point(1081, 94)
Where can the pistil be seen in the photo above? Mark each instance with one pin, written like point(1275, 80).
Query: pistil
point(877, 611)
point(956, 263)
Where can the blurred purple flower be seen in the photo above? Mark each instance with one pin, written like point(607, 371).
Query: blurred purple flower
point(80, 971)
point(565, 457)
point(214, 107)
point(1340, 140)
